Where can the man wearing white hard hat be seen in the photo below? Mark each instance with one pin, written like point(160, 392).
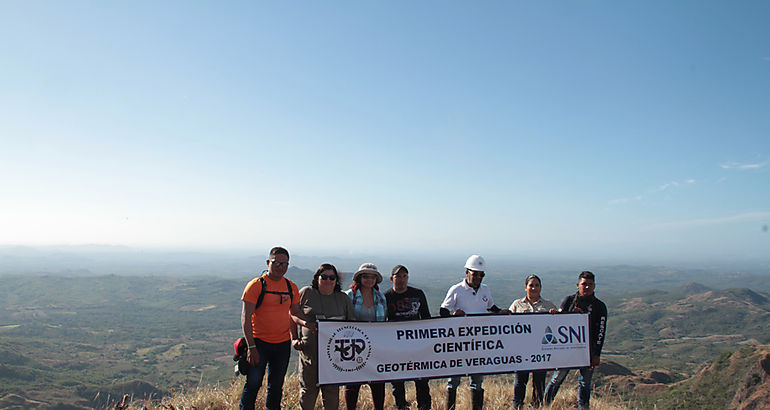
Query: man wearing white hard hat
point(468, 297)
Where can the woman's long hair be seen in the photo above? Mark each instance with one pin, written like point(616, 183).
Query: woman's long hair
point(323, 267)
point(357, 284)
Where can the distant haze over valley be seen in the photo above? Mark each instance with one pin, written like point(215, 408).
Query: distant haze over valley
point(125, 260)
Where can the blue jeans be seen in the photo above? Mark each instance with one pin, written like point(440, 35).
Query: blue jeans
point(584, 386)
point(274, 356)
point(520, 387)
point(476, 380)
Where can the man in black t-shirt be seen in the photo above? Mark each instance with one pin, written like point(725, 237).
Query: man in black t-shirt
point(407, 303)
point(584, 301)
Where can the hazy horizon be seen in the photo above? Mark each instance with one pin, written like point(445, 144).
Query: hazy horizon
point(137, 261)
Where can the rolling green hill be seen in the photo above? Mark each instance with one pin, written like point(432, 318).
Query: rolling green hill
point(678, 331)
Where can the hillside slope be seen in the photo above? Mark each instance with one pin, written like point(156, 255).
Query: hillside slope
point(738, 380)
point(656, 329)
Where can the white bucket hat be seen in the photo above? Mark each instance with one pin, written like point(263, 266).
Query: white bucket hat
point(367, 268)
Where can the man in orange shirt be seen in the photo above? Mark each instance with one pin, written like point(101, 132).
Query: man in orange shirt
point(267, 327)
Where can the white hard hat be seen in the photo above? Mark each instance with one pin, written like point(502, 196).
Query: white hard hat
point(476, 262)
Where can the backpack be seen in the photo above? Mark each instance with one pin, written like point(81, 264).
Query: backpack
point(240, 356)
point(239, 346)
point(263, 291)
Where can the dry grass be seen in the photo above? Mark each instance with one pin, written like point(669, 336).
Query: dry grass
point(498, 395)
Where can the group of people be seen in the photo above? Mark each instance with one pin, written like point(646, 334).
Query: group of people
point(273, 310)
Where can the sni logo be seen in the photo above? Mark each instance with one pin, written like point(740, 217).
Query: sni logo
point(564, 335)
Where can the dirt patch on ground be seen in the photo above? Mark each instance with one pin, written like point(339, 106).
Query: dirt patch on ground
point(710, 338)
point(634, 304)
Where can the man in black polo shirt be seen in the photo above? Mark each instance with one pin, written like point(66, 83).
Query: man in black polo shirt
point(407, 303)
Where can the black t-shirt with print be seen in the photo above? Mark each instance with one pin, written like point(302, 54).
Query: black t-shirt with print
point(409, 305)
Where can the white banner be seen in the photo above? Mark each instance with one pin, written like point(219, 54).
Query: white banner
point(351, 352)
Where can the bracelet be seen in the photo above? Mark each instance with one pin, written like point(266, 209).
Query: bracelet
point(252, 346)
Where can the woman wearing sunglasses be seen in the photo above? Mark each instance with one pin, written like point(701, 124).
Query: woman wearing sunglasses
point(323, 299)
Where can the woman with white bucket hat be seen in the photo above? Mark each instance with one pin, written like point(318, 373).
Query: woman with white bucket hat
point(370, 306)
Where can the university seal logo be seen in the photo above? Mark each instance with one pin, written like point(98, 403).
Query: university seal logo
point(348, 349)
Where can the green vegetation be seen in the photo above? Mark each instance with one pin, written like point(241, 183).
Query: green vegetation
point(715, 386)
point(677, 331)
point(88, 335)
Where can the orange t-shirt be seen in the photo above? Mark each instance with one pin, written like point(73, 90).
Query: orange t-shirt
point(271, 321)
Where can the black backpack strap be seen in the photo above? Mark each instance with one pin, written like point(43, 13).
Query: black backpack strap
point(264, 290)
point(291, 294)
point(261, 293)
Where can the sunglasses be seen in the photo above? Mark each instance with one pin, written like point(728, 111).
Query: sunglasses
point(327, 277)
point(279, 264)
point(477, 273)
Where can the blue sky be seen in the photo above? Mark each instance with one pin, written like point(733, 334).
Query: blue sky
point(635, 130)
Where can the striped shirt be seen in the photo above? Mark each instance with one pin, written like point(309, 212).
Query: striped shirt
point(380, 305)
